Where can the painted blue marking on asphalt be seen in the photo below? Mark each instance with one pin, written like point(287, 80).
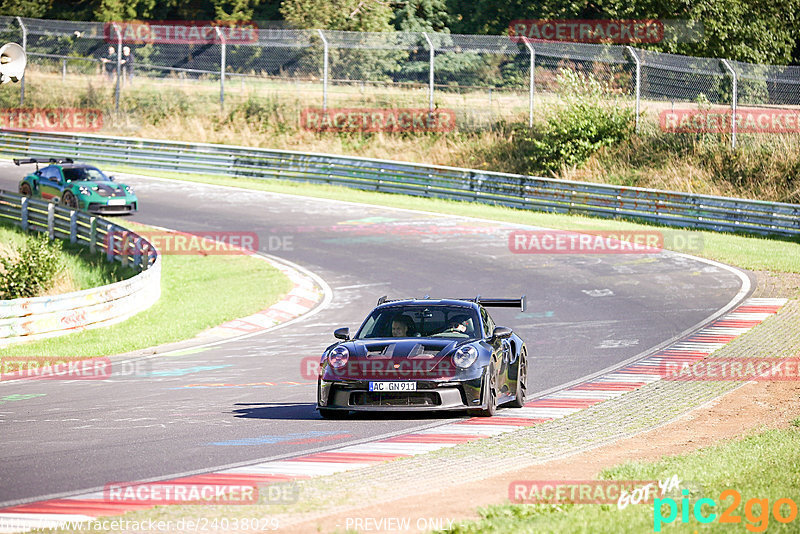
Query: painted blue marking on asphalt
point(189, 370)
point(261, 440)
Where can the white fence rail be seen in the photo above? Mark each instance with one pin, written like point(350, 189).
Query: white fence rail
point(39, 317)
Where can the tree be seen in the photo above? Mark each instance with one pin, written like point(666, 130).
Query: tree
point(346, 15)
point(26, 8)
point(758, 31)
point(423, 16)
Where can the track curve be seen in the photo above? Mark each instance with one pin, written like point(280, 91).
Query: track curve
point(586, 313)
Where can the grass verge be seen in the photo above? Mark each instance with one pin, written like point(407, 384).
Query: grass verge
point(747, 252)
point(188, 283)
point(82, 269)
point(766, 468)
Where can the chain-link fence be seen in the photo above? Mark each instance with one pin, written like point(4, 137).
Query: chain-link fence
point(483, 79)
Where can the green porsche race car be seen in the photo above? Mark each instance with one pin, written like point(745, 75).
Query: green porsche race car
point(77, 186)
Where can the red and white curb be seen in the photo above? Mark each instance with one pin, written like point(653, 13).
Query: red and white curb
point(55, 512)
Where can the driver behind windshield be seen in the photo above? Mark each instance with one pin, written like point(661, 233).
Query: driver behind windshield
point(402, 326)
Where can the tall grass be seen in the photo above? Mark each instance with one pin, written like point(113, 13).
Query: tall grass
point(265, 113)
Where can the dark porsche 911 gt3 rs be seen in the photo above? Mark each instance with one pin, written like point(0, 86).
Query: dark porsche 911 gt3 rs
point(424, 354)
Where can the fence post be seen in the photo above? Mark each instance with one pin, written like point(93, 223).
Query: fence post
point(430, 70)
point(73, 226)
point(638, 62)
point(51, 220)
point(92, 234)
point(119, 65)
point(221, 68)
point(110, 244)
point(24, 48)
point(734, 98)
point(324, 70)
point(124, 246)
point(531, 81)
point(24, 213)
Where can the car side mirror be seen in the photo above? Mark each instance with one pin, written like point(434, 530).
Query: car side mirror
point(342, 333)
point(501, 332)
point(110, 178)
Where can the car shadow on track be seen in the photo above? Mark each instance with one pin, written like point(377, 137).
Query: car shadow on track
point(307, 411)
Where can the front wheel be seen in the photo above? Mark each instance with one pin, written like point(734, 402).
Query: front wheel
point(69, 201)
point(491, 407)
point(522, 379)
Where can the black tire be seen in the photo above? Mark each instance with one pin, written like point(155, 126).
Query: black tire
point(491, 409)
point(25, 190)
point(69, 201)
point(522, 381)
point(327, 413)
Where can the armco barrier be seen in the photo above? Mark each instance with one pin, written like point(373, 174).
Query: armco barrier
point(518, 191)
point(34, 318)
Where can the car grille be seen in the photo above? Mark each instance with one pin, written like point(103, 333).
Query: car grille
point(103, 208)
point(371, 398)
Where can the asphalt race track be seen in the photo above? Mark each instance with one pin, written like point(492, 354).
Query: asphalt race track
point(585, 313)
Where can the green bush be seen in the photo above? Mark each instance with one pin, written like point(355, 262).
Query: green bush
point(586, 121)
point(34, 271)
point(263, 114)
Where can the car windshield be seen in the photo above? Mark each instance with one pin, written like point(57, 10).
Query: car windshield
point(458, 322)
point(84, 174)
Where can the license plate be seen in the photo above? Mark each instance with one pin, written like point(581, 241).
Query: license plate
point(393, 386)
point(116, 201)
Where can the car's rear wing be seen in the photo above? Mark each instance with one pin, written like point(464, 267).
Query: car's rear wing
point(501, 303)
point(486, 302)
point(37, 161)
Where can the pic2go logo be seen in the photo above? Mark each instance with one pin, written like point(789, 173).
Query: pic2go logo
point(783, 511)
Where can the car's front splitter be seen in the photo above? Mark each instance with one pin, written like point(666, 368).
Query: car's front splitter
point(428, 396)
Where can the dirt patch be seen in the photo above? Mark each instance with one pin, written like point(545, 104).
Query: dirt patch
point(752, 408)
point(777, 285)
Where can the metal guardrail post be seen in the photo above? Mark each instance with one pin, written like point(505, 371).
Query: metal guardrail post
point(221, 68)
point(93, 234)
point(636, 59)
point(325, 52)
point(25, 48)
point(531, 81)
point(110, 243)
point(137, 253)
point(73, 226)
point(734, 98)
point(432, 53)
point(124, 249)
point(119, 64)
point(24, 214)
point(51, 220)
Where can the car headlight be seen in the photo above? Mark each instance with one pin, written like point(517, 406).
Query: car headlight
point(83, 190)
point(129, 189)
point(338, 357)
point(465, 356)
